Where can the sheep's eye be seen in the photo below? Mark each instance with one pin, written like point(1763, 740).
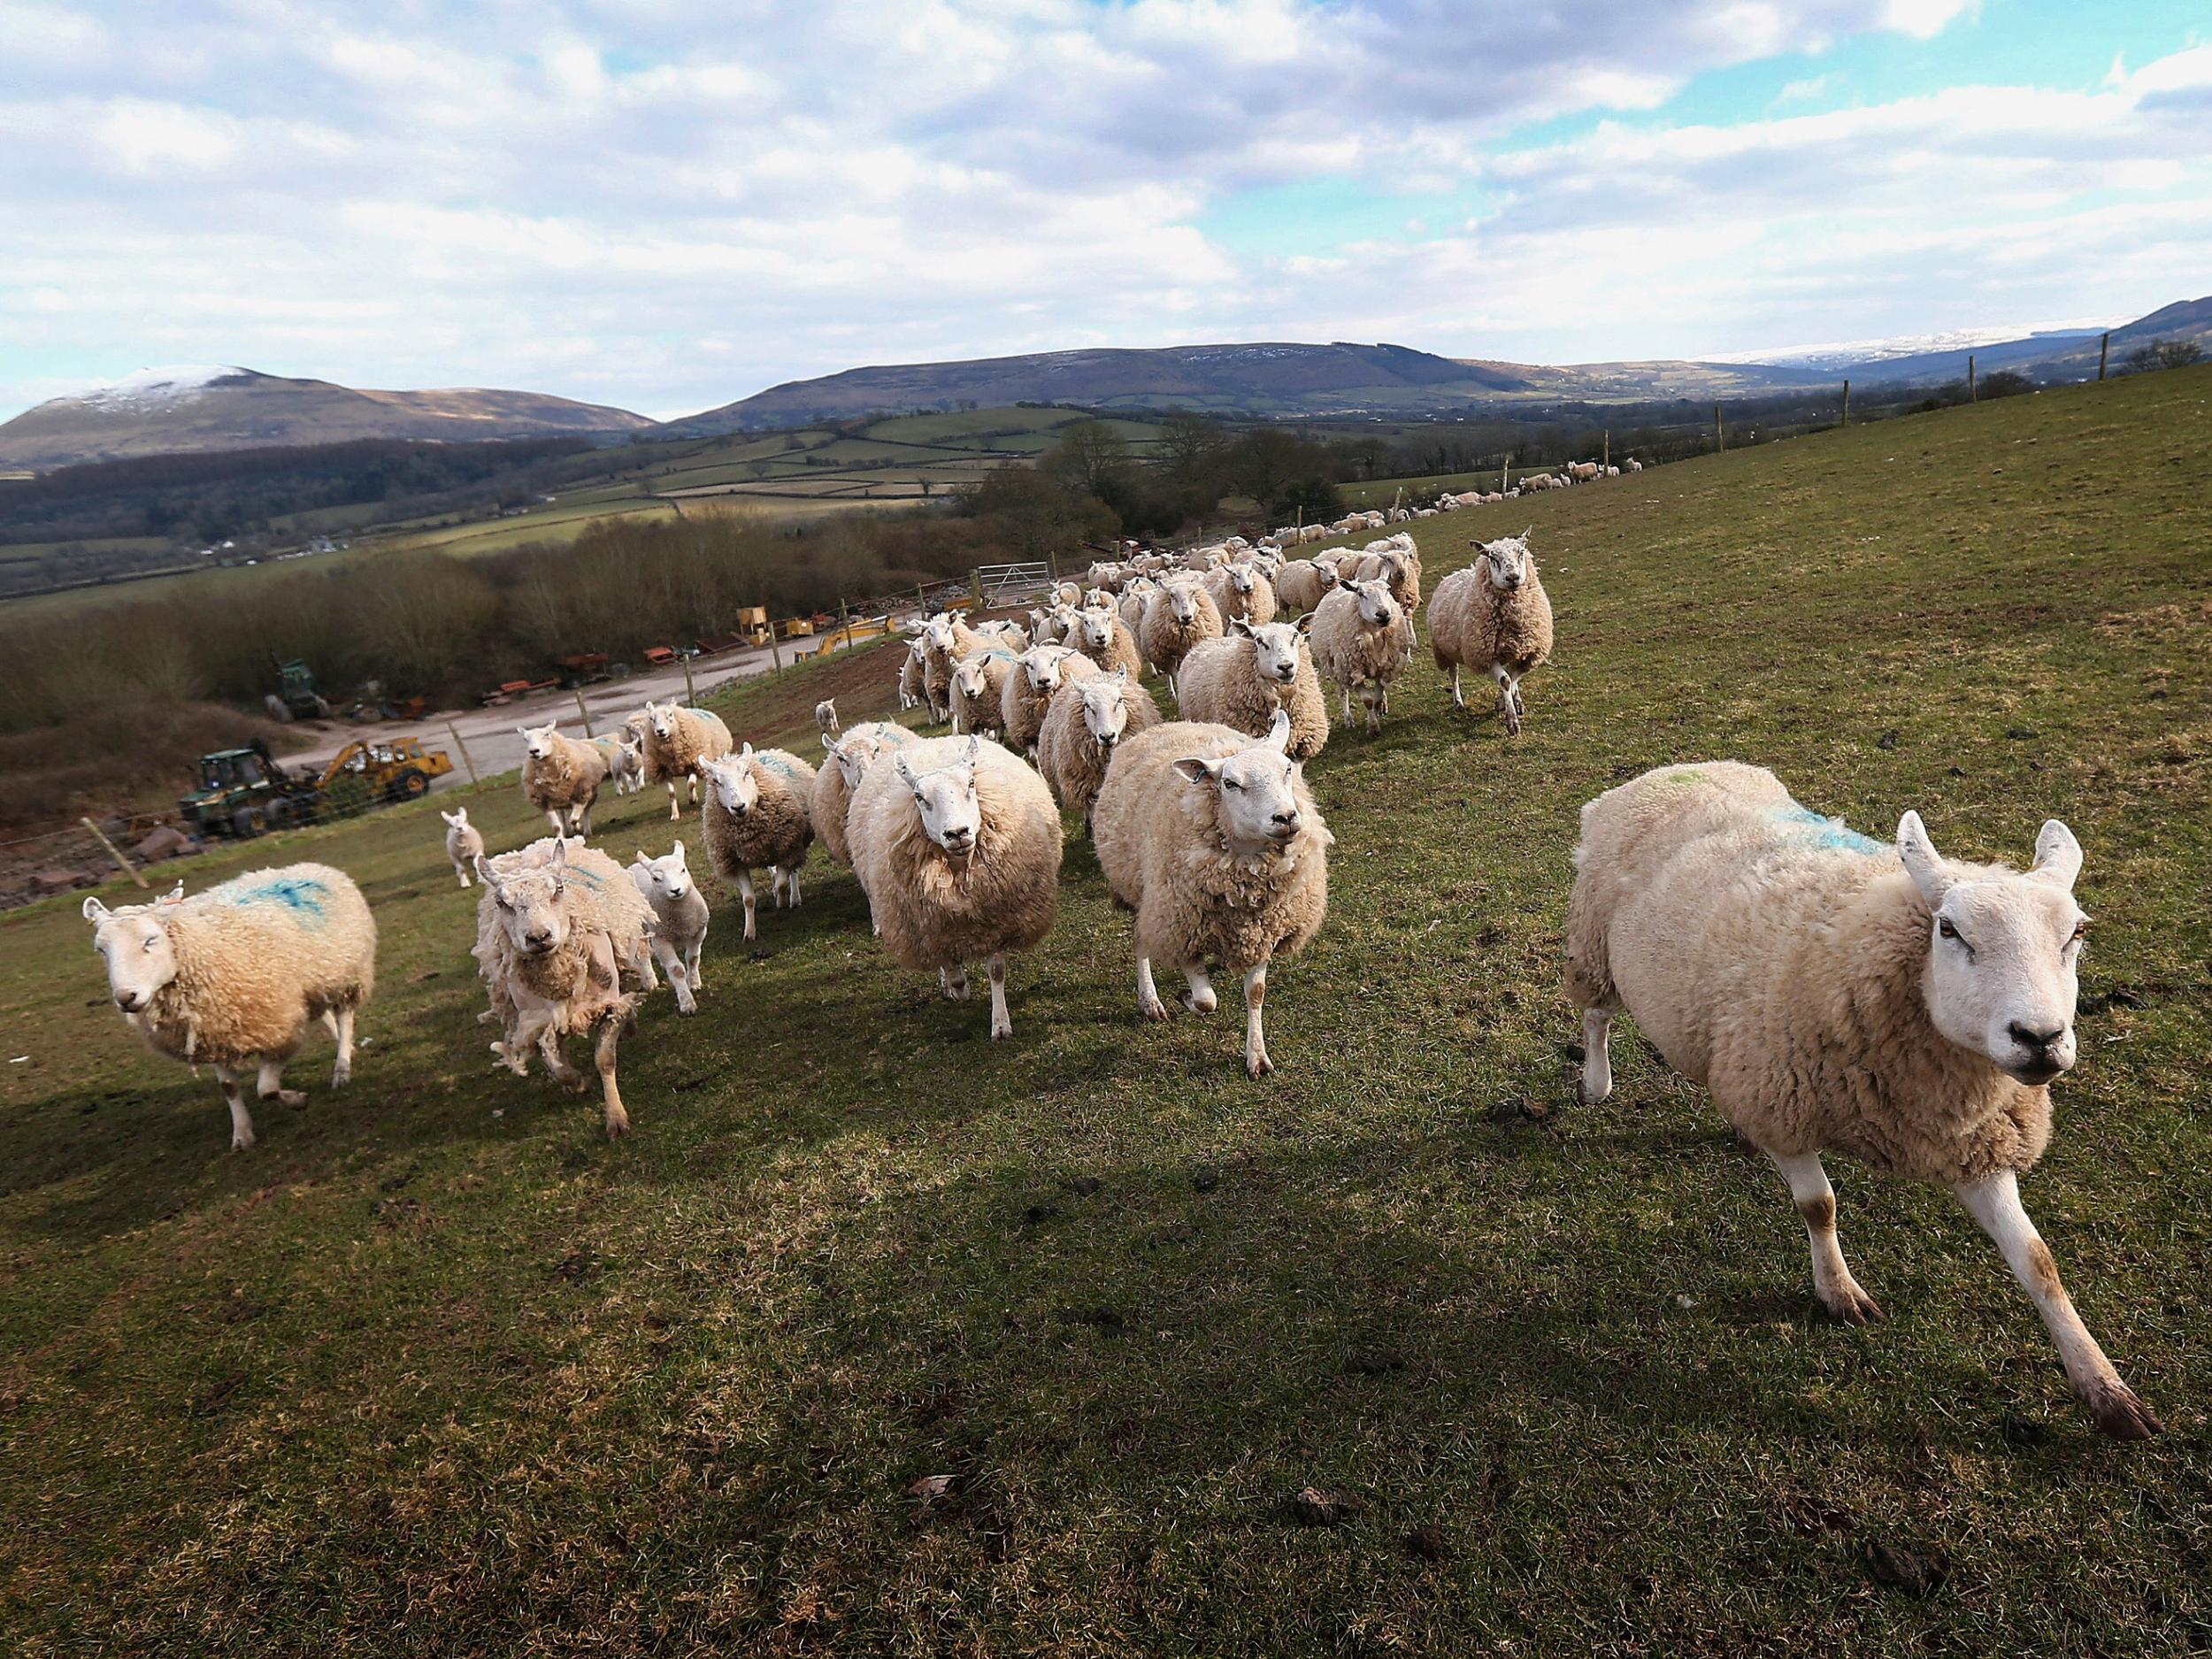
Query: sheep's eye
point(149, 944)
point(1944, 928)
point(2081, 932)
point(1231, 783)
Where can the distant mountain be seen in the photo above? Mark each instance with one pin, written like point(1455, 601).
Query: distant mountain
point(163, 411)
point(2051, 356)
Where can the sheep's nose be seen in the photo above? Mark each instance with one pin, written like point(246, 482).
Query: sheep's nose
point(1286, 820)
point(538, 941)
point(127, 1001)
point(2029, 1038)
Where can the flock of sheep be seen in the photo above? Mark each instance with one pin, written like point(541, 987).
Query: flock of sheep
point(1832, 993)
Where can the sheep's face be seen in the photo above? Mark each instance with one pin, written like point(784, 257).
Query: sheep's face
point(537, 741)
point(1241, 580)
point(661, 717)
point(1257, 789)
point(854, 755)
point(1377, 608)
point(947, 801)
point(1276, 648)
point(140, 957)
point(667, 878)
point(532, 905)
point(1097, 628)
point(1325, 569)
point(1042, 669)
point(456, 819)
point(1182, 603)
point(733, 784)
point(2004, 951)
point(1510, 562)
point(937, 634)
point(967, 677)
point(1105, 707)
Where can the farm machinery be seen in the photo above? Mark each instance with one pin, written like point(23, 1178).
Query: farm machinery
point(246, 791)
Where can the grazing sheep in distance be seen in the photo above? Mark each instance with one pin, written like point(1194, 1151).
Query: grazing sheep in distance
point(1027, 694)
point(979, 682)
point(1177, 617)
point(1242, 679)
point(1084, 720)
point(231, 977)
point(1301, 583)
point(1362, 640)
point(1633, 465)
point(679, 916)
point(1494, 617)
point(1213, 839)
point(826, 719)
point(1836, 994)
point(756, 818)
point(561, 777)
point(1101, 636)
point(958, 846)
point(847, 762)
point(678, 741)
point(1396, 563)
point(464, 841)
point(559, 926)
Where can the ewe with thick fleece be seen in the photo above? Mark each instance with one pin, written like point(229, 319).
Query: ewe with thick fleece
point(561, 777)
point(1241, 593)
point(1038, 672)
point(1213, 840)
point(678, 742)
point(1302, 583)
point(946, 639)
point(978, 688)
point(957, 845)
point(1363, 639)
point(231, 977)
point(679, 922)
point(1494, 617)
point(1177, 615)
point(1396, 562)
point(842, 768)
point(463, 842)
point(1241, 681)
point(557, 927)
point(756, 818)
point(1836, 995)
point(1100, 634)
point(1086, 718)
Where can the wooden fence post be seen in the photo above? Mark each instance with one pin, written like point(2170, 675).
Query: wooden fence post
point(691, 696)
point(1608, 447)
point(2104, 349)
point(1969, 378)
point(1720, 437)
point(1846, 403)
point(582, 713)
point(1505, 473)
point(114, 852)
point(466, 760)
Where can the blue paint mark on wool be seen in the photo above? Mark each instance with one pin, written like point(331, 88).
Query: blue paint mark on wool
point(302, 895)
point(1829, 834)
point(777, 763)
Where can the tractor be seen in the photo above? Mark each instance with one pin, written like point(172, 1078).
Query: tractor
point(297, 700)
point(244, 791)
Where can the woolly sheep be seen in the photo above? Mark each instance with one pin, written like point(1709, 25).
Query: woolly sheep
point(756, 818)
point(561, 777)
point(1005, 634)
point(842, 768)
point(625, 760)
point(1211, 838)
point(1134, 596)
point(910, 671)
point(946, 639)
point(1362, 640)
point(957, 845)
point(231, 977)
point(1241, 679)
point(1240, 592)
point(1301, 583)
point(678, 741)
point(1027, 694)
point(558, 928)
point(1633, 465)
point(679, 916)
point(978, 681)
point(463, 842)
point(1086, 719)
point(1397, 564)
point(1176, 618)
point(1836, 994)
point(1314, 533)
point(1494, 617)
point(1101, 635)
point(826, 719)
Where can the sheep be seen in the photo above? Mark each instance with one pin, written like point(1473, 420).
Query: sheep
point(1038, 673)
point(1178, 616)
point(1086, 719)
point(1238, 591)
point(464, 841)
point(979, 682)
point(1582, 472)
point(842, 768)
point(558, 928)
point(680, 918)
point(232, 976)
point(910, 683)
point(1397, 564)
point(1494, 617)
point(1242, 679)
point(1363, 639)
point(1836, 994)
point(1005, 634)
point(1633, 465)
point(624, 755)
point(678, 741)
point(1211, 838)
point(1314, 533)
point(958, 846)
point(1103, 574)
point(561, 777)
point(1134, 596)
point(1301, 583)
point(826, 719)
point(1101, 635)
point(946, 639)
point(1612, 472)
point(756, 818)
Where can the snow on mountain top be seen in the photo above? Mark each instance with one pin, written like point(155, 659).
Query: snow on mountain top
point(150, 388)
point(1838, 354)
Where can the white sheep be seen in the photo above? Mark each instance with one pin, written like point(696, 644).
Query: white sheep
point(1241, 681)
point(826, 719)
point(757, 818)
point(624, 755)
point(1177, 616)
point(946, 639)
point(233, 975)
point(1836, 994)
point(1494, 617)
point(678, 741)
point(1301, 583)
point(1240, 592)
point(1027, 692)
point(1083, 723)
point(561, 777)
point(842, 771)
point(463, 842)
point(910, 680)
point(1363, 639)
point(978, 687)
point(1101, 635)
point(680, 916)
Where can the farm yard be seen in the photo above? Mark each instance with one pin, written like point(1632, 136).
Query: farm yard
point(878, 1336)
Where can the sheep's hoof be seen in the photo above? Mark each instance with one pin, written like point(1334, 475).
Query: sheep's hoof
point(2121, 1412)
point(577, 1083)
point(1153, 1009)
point(1199, 1005)
point(686, 1008)
point(1258, 1066)
point(340, 1078)
point(292, 1097)
point(1848, 1304)
point(617, 1127)
point(998, 1031)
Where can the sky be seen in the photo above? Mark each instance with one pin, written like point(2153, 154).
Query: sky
point(668, 206)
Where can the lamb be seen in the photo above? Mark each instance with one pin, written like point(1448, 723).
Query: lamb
point(561, 777)
point(231, 977)
point(1241, 681)
point(1396, 563)
point(826, 719)
point(847, 762)
point(558, 928)
point(1363, 639)
point(1633, 465)
point(1086, 720)
point(678, 742)
point(1301, 583)
point(756, 818)
point(1038, 673)
point(1213, 839)
point(1582, 472)
point(1101, 635)
point(1494, 617)
point(946, 639)
point(463, 842)
point(1178, 616)
point(958, 846)
point(680, 919)
point(625, 760)
point(1240, 592)
point(910, 683)
point(1836, 994)
point(979, 682)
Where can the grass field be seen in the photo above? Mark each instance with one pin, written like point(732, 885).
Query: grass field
point(435, 1370)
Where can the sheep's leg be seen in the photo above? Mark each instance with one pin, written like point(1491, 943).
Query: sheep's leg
point(641, 965)
point(791, 877)
point(462, 872)
point(1148, 1003)
point(556, 1063)
point(240, 1120)
point(1002, 1022)
point(1816, 1202)
point(1371, 695)
point(553, 819)
point(1597, 1056)
point(1347, 708)
point(1256, 1063)
point(1459, 700)
point(584, 813)
point(693, 776)
point(1200, 997)
point(691, 962)
point(1507, 706)
point(603, 1055)
point(341, 1028)
point(745, 896)
point(1995, 1202)
point(674, 810)
point(270, 1085)
point(953, 982)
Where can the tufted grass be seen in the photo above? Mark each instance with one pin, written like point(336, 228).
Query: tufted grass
point(437, 1371)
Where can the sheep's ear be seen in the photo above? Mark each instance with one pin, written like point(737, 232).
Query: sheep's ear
point(175, 895)
point(1194, 769)
point(678, 854)
point(745, 753)
point(560, 849)
point(906, 772)
point(2057, 855)
point(1121, 673)
point(975, 745)
point(1279, 731)
point(1526, 534)
point(1304, 624)
point(95, 911)
point(460, 815)
point(1237, 625)
point(484, 872)
point(1922, 862)
point(641, 858)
